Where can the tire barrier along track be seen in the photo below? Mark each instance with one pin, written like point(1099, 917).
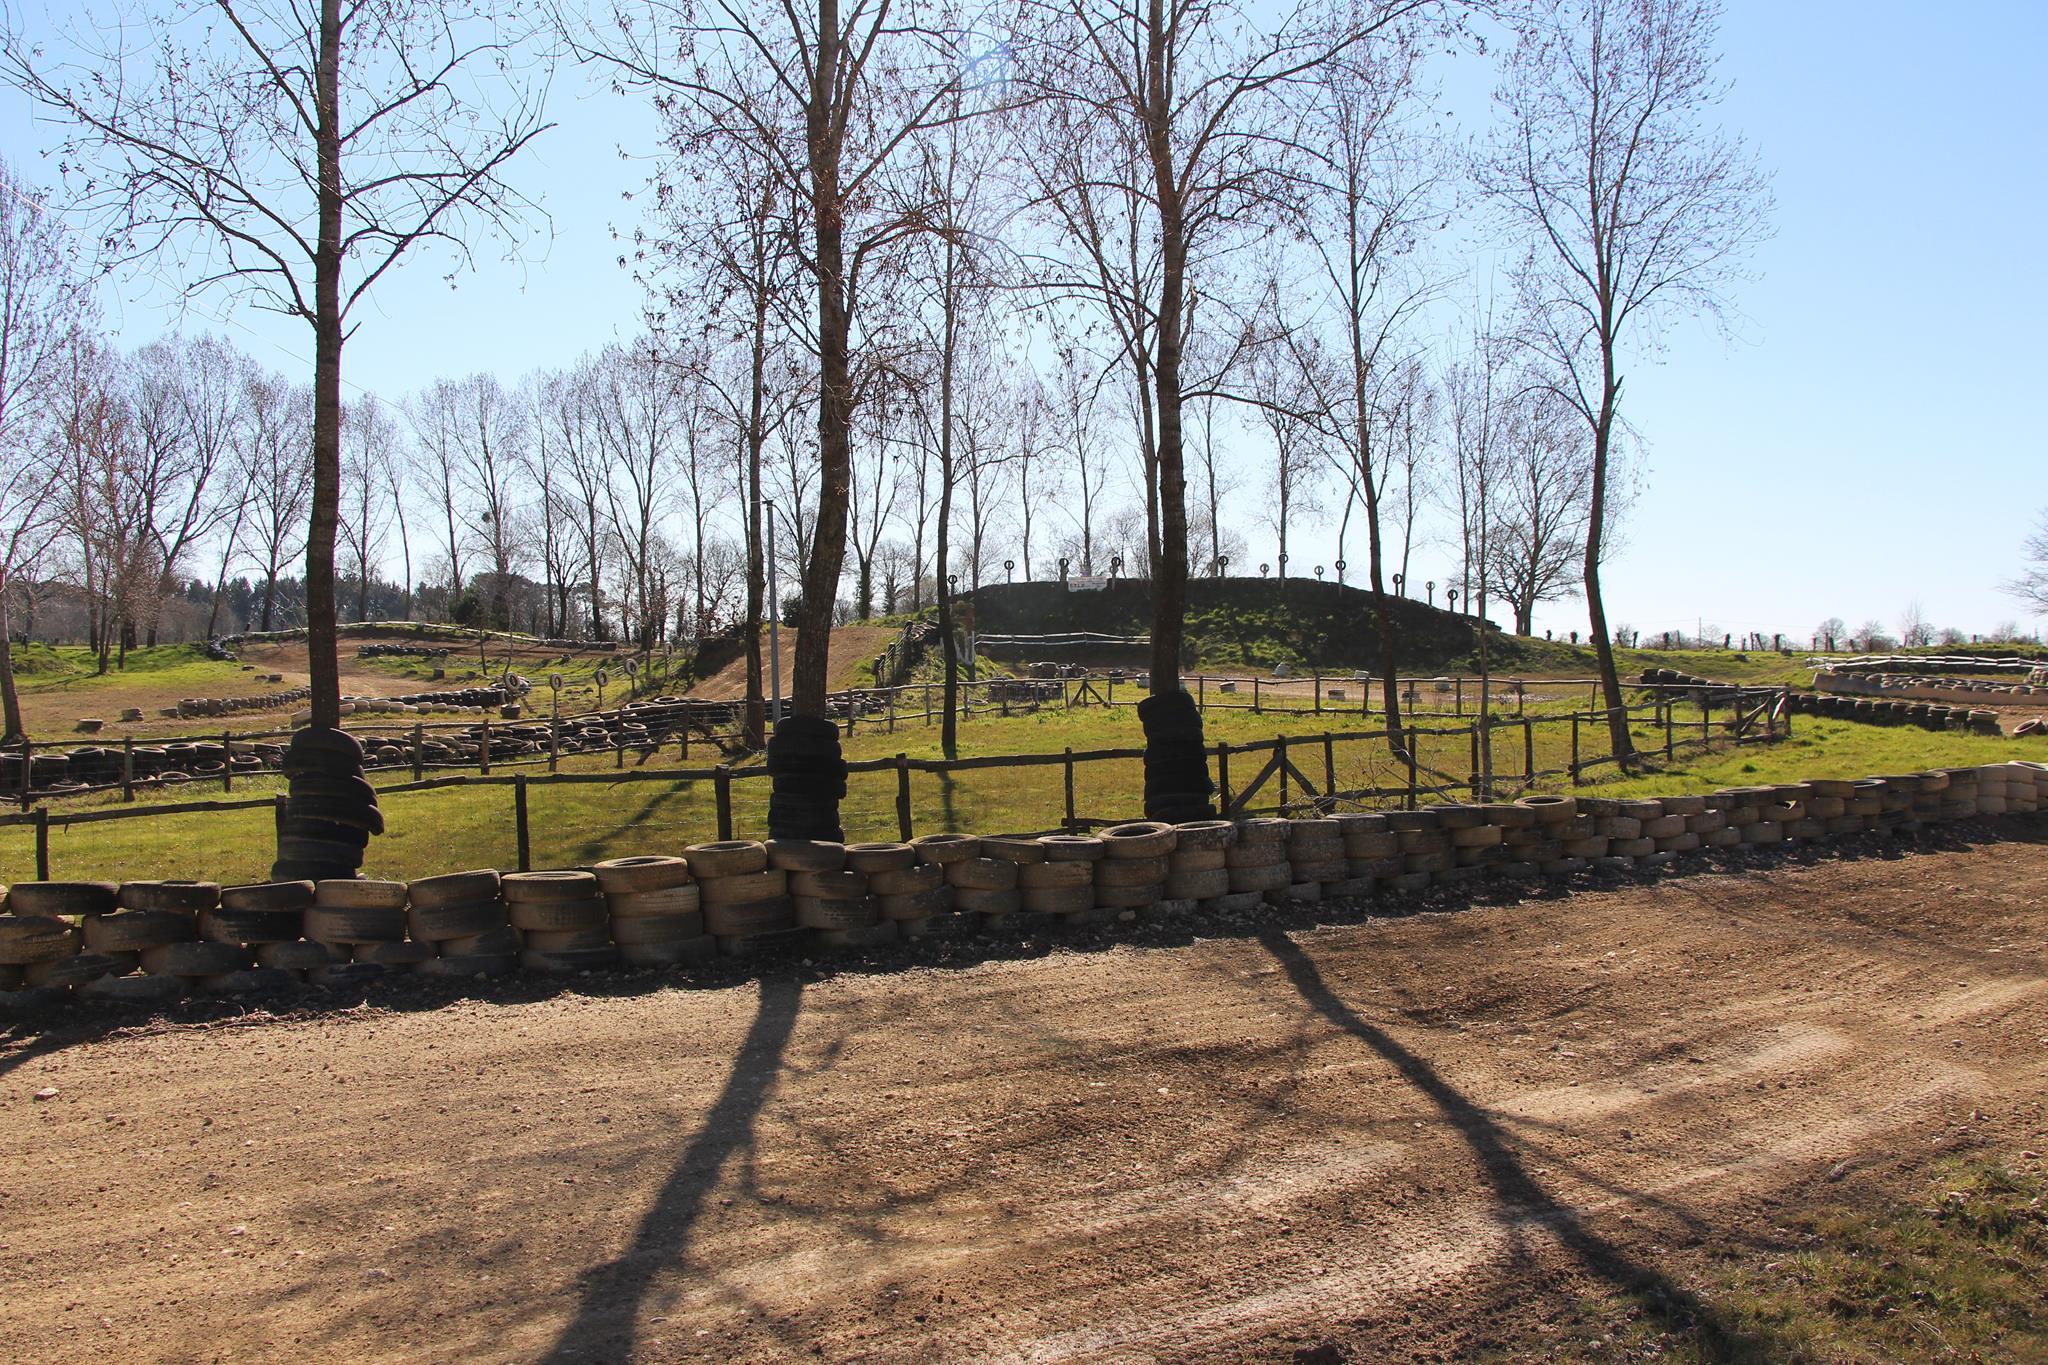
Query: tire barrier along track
point(156, 941)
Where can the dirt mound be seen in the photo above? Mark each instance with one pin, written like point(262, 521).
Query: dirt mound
point(1416, 1138)
point(853, 649)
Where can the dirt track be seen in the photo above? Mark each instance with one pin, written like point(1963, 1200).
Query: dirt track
point(1409, 1137)
point(851, 647)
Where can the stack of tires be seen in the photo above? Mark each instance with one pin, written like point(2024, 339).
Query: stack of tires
point(463, 915)
point(249, 920)
point(1177, 785)
point(657, 919)
point(1131, 877)
point(40, 946)
point(563, 922)
point(908, 889)
point(746, 902)
point(1425, 849)
point(1541, 841)
point(1198, 869)
point(350, 928)
point(168, 946)
point(830, 899)
point(809, 780)
point(1257, 859)
point(1315, 857)
point(1061, 883)
point(985, 887)
point(332, 812)
point(1372, 851)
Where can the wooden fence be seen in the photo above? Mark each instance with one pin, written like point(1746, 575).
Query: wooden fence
point(1285, 775)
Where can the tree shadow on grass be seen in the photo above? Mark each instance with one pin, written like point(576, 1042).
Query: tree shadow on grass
point(1520, 1197)
point(613, 1295)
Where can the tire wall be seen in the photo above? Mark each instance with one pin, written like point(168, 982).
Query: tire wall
point(158, 941)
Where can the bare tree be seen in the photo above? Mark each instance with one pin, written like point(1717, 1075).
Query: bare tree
point(42, 307)
point(1915, 630)
point(1636, 207)
point(2031, 585)
point(1200, 90)
point(275, 458)
point(369, 446)
point(290, 153)
point(1540, 522)
point(823, 100)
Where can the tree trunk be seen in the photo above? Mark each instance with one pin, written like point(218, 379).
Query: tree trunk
point(10, 700)
point(811, 674)
point(322, 661)
point(1596, 610)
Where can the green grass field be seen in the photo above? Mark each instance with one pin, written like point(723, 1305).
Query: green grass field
point(438, 830)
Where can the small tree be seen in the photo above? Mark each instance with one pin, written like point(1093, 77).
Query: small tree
point(1637, 211)
point(2031, 585)
point(40, 308)
point(291, 153)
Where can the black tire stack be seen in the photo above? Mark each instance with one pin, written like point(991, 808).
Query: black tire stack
point(1177, 785)
point(809, 777)
point(333, 808)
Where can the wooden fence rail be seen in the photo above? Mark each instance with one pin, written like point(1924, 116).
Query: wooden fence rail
point(1296, 788)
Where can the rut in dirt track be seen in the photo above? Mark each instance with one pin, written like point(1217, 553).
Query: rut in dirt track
point(1378, 1134)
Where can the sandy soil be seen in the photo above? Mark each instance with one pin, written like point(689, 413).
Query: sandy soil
point(1404, 1138)
point(852, 649)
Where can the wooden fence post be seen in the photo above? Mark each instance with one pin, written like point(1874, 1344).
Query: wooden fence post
point(1473, 735)
point(1280, 748)
point(1073, 824)
point(1460, 703)
point(42, 843)
point(1575, 748)
point(483, 749)
point(1202, 693)
point(721, 790)
point(419, 751)
point(280, 811)
point(1528, 750)
point(1223, 778)
point(903, 797)
point(1318, 685)
point(1255, 694)
point(128, 768)
point(227, 760)
point(28, 757)
point(927, 705)
point(519, 822)
point(1668, 708)
point(618, 748)
point(1414, 743)
point(1329, 770)
point(891, 694)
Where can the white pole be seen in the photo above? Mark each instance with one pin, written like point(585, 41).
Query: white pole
point(774, 631)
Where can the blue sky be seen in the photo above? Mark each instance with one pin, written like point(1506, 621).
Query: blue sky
point(1863, 442)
